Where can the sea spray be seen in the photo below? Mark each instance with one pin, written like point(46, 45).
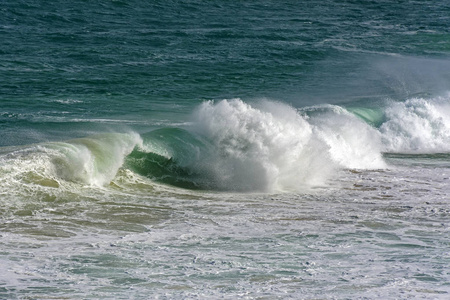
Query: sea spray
point(272, 146)
point(351, 142)
point(417, 125)
point(265, 148)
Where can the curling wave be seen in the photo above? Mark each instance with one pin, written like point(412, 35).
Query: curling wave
point(269, 146)
point(89, 161)
point(237, 146)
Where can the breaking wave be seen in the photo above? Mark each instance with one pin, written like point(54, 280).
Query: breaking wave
point(269, 146)
point(417, 126)
point(90, 161)
point(237, 146)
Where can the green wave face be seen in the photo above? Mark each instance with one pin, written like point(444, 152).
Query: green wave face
point(170, 156)
point(372, 116)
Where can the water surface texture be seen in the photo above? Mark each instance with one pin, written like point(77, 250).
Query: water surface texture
point(224, 149)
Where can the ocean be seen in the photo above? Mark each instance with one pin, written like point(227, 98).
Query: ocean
point(224, 149)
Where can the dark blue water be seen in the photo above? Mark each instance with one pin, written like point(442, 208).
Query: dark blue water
point(134, 60)
point(135, 134)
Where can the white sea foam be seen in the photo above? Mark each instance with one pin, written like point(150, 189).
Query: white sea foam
point(91, 161)
point(257, 148)
point(417, 126)
point(351, 142)
point(272, 146)
point(67, 101)
point(94, 160)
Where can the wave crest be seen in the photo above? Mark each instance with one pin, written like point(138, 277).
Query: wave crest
point(417, 126)
point(272, 146)
point(264, 148)
point(89, 161)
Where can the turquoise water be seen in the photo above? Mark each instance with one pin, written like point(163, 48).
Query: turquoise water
point(218, 149)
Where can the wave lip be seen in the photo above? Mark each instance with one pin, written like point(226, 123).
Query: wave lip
point(93, 160)
point(89, 161)
point(173, 156)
